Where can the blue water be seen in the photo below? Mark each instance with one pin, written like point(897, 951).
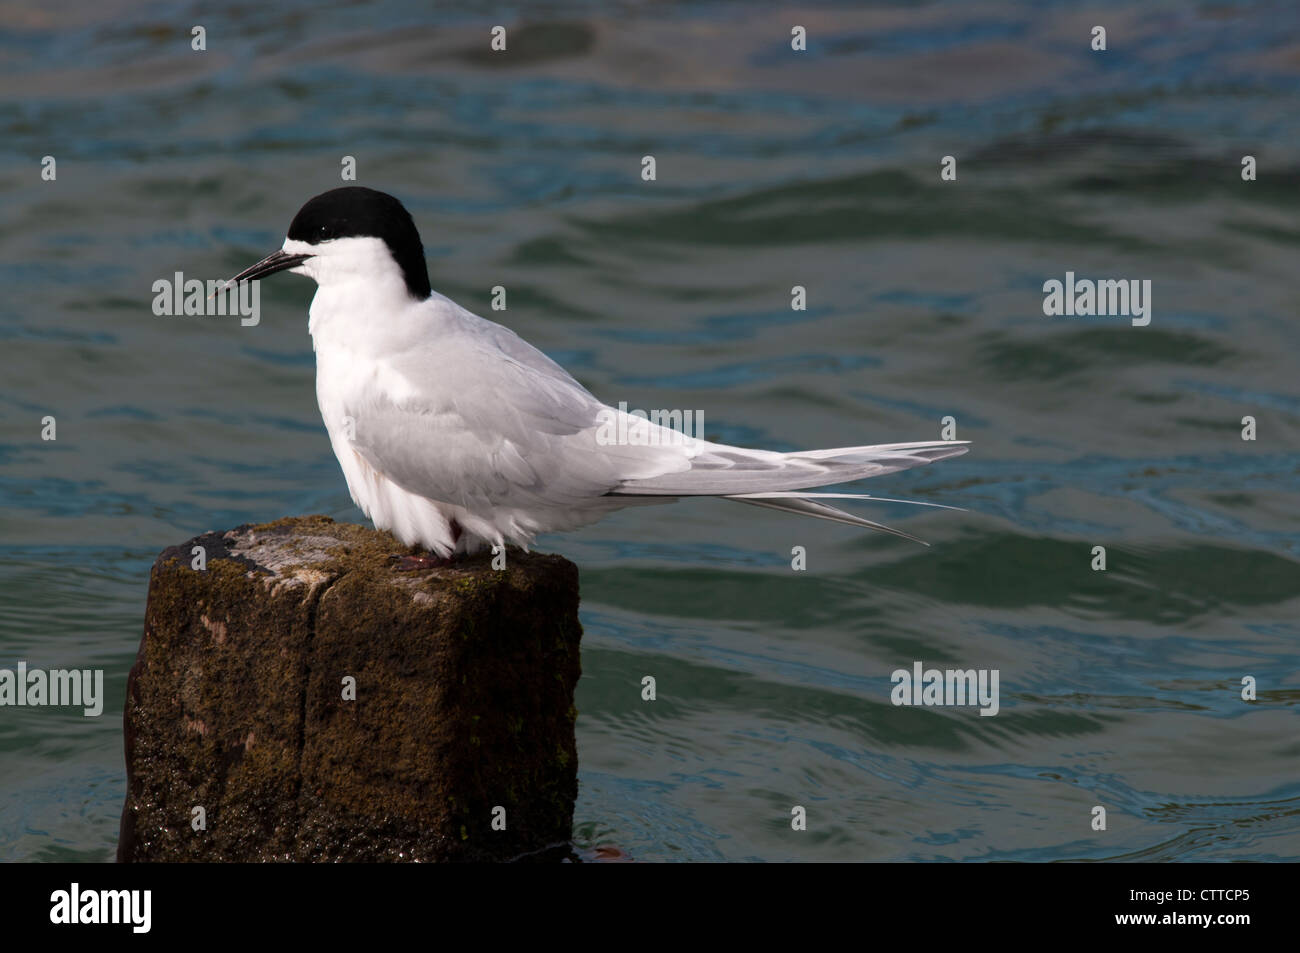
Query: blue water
point(1119, 688)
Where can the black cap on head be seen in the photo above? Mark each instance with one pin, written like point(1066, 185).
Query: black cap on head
point(356, 212)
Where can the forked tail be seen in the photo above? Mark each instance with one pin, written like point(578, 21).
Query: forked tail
point(766, 478)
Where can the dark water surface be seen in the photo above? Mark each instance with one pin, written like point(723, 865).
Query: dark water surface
point(1118, 688)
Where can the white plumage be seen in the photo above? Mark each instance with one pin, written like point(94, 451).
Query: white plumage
point(455, 434)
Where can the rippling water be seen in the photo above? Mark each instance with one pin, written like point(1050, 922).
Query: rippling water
point(1119, 688)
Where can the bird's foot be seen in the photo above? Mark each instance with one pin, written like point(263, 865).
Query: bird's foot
point(406, 562)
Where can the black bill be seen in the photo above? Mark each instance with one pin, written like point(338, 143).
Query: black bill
point(276, 261)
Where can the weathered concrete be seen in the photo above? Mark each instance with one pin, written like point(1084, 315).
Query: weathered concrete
point(464, 702)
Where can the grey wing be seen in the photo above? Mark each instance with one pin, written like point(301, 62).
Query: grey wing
point(481, 419)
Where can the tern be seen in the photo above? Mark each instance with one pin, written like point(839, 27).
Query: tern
point(455, 434)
